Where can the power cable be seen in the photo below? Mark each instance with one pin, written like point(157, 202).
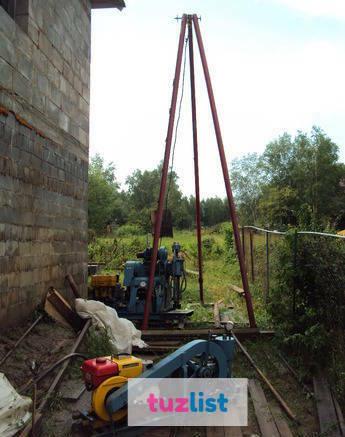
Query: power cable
point(176, 128)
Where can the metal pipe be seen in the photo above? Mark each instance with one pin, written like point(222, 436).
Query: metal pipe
point(26, 431)
point(159, 215)
point(278, 397)
point(196, 158)
point(232, 208)
point(317, 234)
point(251, 256)
point(267, 267)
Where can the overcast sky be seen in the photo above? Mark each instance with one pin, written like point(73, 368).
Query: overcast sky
point(276, 66)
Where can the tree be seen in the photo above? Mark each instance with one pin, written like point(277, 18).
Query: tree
point(307, 169)
point(143, 192)
point(247, 180)
point(213, 211)
point(106, 203)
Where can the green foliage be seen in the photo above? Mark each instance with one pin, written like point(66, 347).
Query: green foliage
point(247, 179)
point(129, 230)
point(114, 252)
point(229, 244)
point(142, 195)
point(214, 210)
point(105, 201)
point(295, 181)
point(98, 343)
point(311, 324)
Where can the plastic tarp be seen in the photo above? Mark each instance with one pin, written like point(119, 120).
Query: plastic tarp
point(15, 410)
point(122, 332)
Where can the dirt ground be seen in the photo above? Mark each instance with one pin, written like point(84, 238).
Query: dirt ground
point(48, 342)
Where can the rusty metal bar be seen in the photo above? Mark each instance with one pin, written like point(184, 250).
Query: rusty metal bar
point(38, 413)
point(231, 203)
point(159, 215)
point(278, 397)
point(73, 285)
point(252, 270)
point(267, 267)
point(196, 158)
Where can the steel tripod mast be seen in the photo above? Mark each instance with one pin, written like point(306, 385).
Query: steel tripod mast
point(192, 21)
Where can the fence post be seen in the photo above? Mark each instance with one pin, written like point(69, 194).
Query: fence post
point(294, 271)
point(267, 267)
point(243, 242)
point(252, 255)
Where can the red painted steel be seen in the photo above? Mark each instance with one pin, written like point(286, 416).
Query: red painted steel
point(159, 215)
point(232, 208)
point(196, 157)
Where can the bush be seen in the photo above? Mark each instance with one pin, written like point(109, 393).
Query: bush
point(114, 252)
point(311, 320)
point(229, 244)
point(129, 230)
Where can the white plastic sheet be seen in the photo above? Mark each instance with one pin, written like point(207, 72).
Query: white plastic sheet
point(123, 333)
point(15, 410)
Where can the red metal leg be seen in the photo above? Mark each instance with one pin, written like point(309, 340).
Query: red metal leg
point(196, 158)
point(232, 208)
point(159, 215)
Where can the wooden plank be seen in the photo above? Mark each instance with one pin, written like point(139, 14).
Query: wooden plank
point(280, 421)
point(263, 414)
point(203, 332)
point(232, 431)
point(64, 308)
point(216, 315)
point(328, 419)
point(215, 431)
point(238, 290)
point(339, 415)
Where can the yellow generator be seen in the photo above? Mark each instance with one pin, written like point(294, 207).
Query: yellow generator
point(104, 375)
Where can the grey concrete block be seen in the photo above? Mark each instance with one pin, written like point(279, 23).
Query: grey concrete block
point(7, 25)
point(7, 50)
point(55, 95)
point(42, 83)
point(22, 86)
point(6, 74)
point(52, 111)
point(25, 66)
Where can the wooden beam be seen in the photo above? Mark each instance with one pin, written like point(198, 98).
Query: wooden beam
point(100, 4)
point(263, 414)
point(328, 419)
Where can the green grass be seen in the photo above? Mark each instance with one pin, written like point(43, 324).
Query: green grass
point(218, 269)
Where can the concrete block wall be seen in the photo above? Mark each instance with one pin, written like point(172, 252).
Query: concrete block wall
point(44, 130)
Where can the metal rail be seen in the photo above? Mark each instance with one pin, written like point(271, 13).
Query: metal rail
point(320, 234)
point(163, 186)
point(196, 158)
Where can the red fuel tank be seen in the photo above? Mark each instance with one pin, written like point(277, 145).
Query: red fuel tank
point(97, 370)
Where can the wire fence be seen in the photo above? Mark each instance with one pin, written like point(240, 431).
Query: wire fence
point(260, 245)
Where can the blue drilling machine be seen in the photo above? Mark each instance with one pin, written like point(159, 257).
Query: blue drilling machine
point(169, 284)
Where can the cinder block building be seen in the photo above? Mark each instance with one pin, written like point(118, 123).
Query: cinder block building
point(44, 135)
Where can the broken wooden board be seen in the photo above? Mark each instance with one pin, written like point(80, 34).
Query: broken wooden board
point(223, 431)
point(263, 414)
point(61, 311)
point(328, 419)
point(283, 427)
point(215, 431)
point(232, 431)
point(237, 289)
point(339, 415)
